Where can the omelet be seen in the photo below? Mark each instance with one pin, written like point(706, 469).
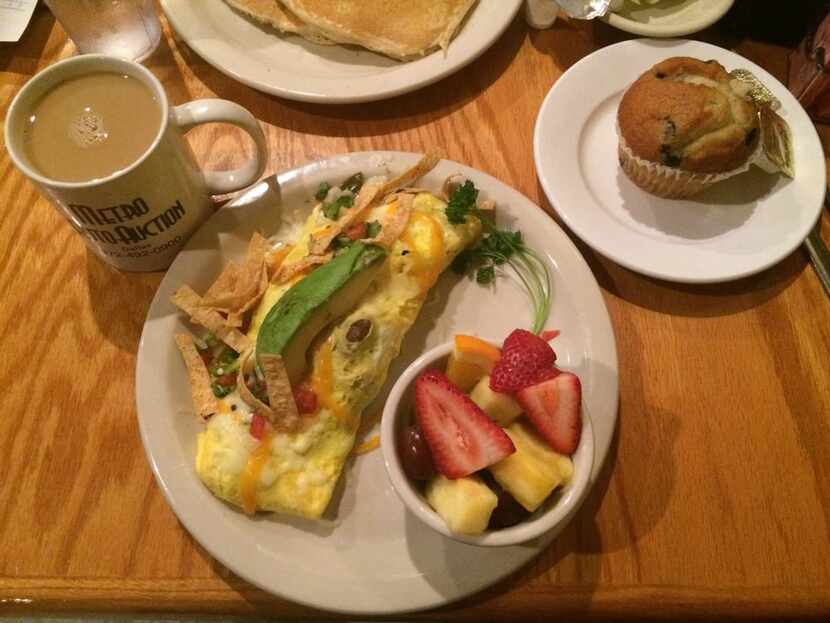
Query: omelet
point(295, 472)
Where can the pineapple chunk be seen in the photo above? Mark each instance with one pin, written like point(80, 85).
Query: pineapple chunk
point(465, 504)
point(502, 408)
point(532, 472)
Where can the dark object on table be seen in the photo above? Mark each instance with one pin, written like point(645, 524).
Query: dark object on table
point(818, 252)
point(781, 23)
point(809, 75)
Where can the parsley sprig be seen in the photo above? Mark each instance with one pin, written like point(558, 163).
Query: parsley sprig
point(498, 248)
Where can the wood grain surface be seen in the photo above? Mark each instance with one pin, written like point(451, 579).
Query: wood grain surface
point(715, 500)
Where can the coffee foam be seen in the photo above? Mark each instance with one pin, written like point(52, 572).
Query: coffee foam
point(88, 129)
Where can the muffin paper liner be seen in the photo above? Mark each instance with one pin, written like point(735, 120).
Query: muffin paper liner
point(671, 182)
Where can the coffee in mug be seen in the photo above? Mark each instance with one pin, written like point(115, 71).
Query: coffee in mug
point(97, 135)
point(90, 127)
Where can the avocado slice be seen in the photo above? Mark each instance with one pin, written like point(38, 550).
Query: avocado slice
point(329, 292)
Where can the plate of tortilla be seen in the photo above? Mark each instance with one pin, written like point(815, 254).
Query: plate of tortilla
point(322, 524)
point(339, 52)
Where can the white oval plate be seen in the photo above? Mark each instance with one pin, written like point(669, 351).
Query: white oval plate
point(291, 67)
point(672, 19)
point(735, 228)
point(373, 557)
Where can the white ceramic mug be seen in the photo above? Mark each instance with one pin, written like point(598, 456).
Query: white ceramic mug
point(138, 218)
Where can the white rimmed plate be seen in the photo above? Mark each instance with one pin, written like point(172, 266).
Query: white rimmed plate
point(372, 556)
point(291, 67)
point(735, 228)
point(669, 18)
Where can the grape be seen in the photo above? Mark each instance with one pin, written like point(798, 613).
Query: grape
point(508, 512)
point(414, 452)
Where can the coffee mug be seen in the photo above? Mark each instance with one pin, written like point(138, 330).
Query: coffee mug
point(138, 218)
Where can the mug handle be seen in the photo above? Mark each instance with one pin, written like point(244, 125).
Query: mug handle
point(191, 114)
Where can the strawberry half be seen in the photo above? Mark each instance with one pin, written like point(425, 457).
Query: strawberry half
point(523, 355)
point(553, 407)
point(545, 374)
point(460, 436)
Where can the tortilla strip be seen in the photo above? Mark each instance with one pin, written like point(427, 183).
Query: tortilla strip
point(275, 259)
point(394, 226)
point(225, 282)
point(244, 391)
point(238, 289)
point(280, 394)
point(487, 205)
point(235, 317)
point(204, 401)
point(289, 271)
point(410, 176)
point(191, 303)
point(365, 199)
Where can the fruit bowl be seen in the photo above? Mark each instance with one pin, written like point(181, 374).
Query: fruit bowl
point(555, 511)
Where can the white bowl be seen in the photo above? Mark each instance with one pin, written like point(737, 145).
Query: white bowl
point(673, 19)
point(556, 510)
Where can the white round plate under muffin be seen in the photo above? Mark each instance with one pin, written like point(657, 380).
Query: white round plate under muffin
point(736, 228)
point(294, 68)
point(371, 556)
point(668, 18)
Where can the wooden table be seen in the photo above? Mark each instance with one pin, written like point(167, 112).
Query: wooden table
point(715, 500)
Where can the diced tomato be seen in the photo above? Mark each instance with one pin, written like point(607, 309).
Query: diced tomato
point(306, 399)
point(259, 425)
point(226, 380)
point(206, 356)
point(356, 231)
point(550, 334)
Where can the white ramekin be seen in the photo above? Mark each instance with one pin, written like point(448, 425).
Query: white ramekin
point(555, 511)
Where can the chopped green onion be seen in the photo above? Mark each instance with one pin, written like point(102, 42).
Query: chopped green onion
point(322, 190)
point(353, 183)
point(220, 391)
point(373, 229)
point(332, 210)
point(341, 242)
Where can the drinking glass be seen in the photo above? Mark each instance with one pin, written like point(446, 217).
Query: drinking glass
point(126, 28)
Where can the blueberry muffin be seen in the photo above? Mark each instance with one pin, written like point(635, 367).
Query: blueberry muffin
point(684, 125)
